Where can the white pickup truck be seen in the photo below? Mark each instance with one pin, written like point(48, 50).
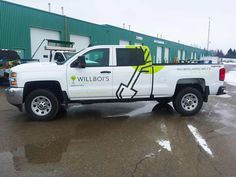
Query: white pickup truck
point(111, 74)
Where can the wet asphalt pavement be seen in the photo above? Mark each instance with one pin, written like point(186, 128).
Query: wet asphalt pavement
point(121, 140)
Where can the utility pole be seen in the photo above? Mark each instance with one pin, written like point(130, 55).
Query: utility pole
point(49, 7)
point(62, 10)
point(208, 37)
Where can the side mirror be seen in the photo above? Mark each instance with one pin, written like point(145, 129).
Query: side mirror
point(79, 63)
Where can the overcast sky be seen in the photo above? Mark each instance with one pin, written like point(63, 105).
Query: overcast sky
point(183, 20)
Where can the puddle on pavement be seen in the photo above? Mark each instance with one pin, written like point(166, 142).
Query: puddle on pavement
point(110, 136)
point(52, 139)
point(6, 164)
point(123, 110)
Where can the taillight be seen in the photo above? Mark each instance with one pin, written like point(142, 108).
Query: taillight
point(222, 74)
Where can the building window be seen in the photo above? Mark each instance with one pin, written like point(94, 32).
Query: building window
point(123, 42)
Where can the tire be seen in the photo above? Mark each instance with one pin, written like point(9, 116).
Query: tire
point(188, 101)
point(42, 105)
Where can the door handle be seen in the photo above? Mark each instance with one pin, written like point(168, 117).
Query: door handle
point(144, 71)
point(105, 72)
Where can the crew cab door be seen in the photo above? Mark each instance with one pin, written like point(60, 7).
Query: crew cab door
point(94, 81)
point(132, 75)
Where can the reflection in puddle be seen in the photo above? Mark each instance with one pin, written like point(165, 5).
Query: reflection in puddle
point(47, 152)
point(146, 109)
point(164, 143)
point(163, 109)
point(199, 139)
point(121, 110)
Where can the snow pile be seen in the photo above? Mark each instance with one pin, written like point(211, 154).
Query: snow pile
point(230, 78)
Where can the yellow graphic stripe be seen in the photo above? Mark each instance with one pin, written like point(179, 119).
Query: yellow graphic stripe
point(148, 68)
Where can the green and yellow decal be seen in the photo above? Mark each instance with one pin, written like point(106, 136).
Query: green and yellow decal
point(149, 68)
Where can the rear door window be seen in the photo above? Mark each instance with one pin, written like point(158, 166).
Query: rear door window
point(130, 57)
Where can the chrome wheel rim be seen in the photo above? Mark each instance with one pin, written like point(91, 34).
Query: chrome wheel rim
point(189, 102)
point(41, 105)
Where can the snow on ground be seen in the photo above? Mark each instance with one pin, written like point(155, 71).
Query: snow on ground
point(231, 63)
point(230, 78)
point(224, 96)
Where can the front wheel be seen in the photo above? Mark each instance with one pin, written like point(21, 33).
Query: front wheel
point(41, 105)
point(188, 101)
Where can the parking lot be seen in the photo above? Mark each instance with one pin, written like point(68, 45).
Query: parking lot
point(129, 139)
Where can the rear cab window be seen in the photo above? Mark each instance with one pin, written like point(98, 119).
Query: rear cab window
point(129, 57)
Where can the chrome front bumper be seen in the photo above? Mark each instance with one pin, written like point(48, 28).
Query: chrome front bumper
point(15, 97)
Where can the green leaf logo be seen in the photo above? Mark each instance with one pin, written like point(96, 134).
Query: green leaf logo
point(73, 78)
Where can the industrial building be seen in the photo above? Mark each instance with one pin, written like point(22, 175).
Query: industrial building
point(23, 28)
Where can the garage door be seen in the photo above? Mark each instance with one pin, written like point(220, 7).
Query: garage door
point(183, 55)
point(191, 55)
point(36, 37)
point(195, 55)
point(179, 54)
point(159, 54)
point(81, 42)
point(167, 55)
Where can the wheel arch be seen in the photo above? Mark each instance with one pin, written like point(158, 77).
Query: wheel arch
point(53, 86)
point(197, 83)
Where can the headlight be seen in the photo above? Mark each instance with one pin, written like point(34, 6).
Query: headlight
point(12, 79)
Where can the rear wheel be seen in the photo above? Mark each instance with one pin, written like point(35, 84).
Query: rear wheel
point(188, 101)
point(41, 105)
